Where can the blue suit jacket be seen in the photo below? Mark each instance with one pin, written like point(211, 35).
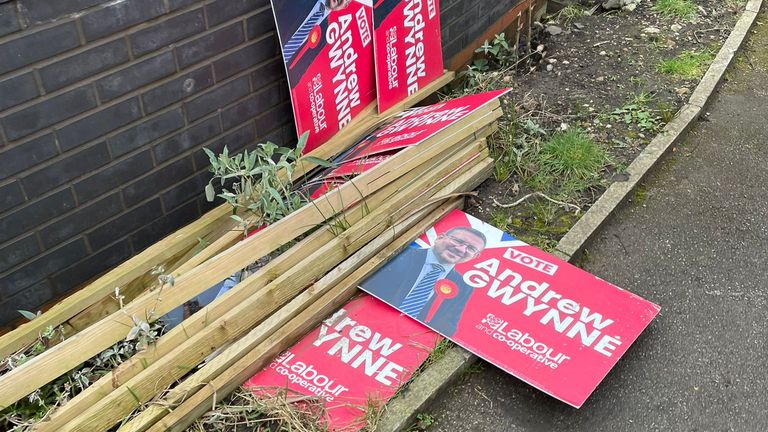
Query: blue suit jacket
point(393, 281)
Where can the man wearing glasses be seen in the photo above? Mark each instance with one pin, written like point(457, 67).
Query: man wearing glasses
point(408, 281)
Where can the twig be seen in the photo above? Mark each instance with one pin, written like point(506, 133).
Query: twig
point(576, 208)
point(696, 32)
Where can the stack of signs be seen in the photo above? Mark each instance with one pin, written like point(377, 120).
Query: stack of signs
point(356, 359)
point(405, 130)
point(406, 40)
point(327, 48)
point(535, 316)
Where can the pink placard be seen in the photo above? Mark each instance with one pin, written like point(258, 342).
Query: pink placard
point(407, 47)
point(360, 355)
point(418, 124)
point(535, 316)
point(327, 48)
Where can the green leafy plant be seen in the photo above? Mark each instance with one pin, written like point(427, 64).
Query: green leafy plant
point(637, 112)
point(679, 9)
point(498, 51)
point(258, 181)
point(22, 415)
point(687, 65)
point(424, 421)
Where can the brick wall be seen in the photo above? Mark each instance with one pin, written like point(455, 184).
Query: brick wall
point(104, 107)
point(462, 22)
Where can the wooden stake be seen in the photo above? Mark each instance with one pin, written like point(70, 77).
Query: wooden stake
point(89, 342)
point(185, 237)
point(222, 385)
point(105, 285)
point(237, 295)
point(143, 386)
point(228, 358)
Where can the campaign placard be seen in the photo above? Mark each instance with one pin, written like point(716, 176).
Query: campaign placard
point(407, 47)
point(360, 355)
point(327, 48)
point(407, 129)
point(415, 125)
point(551, 324)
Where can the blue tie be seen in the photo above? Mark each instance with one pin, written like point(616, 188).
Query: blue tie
point(417, 298)
point(298, 38)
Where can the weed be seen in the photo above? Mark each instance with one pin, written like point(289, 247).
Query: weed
point(22, 415)
point(637, 112)
point(570, 13)
point(260, 181)
point(283, 410)
point(498, 51)
point(687, 65)
point(676, 9)
point(572, 154)
point(473, 369)
point(641, 194)
point(500, 219)
point(666, 112)
point(502, 147)
point(424, 420)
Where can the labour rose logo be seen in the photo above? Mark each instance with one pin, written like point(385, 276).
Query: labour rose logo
point(493, 321)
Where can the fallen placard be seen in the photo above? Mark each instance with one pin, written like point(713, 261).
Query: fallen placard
point(418, 124)
point(353, 362)
point(551, 324)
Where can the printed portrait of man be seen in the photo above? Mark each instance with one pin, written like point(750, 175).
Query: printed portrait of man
point(408, 281)
point(296, 20)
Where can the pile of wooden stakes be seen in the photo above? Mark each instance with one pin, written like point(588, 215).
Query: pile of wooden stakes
point(265, 313)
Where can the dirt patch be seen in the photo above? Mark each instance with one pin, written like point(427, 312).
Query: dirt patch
point(620, 76)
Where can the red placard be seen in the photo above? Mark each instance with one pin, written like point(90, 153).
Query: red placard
point(408, 129)
point(418, 124)
point(361, 354)
point(408, 51)
point(537, 317)
point(327, 48)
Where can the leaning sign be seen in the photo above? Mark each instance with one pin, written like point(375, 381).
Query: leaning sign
point(406, 40)
point(535, 316)
point(327, 48)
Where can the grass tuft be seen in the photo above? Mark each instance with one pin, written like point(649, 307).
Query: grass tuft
point(678, 9)
point(570, 13)
point(572, 155)
point(687, 65)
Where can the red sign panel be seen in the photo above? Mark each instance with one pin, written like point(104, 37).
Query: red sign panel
point(408, 129)
point(408, 50)
point(361, 354)
point(327, 48)
point(417, 124)
point(539, 318)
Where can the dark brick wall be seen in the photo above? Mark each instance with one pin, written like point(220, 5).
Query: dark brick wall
point(104, 109)
point(463, 21)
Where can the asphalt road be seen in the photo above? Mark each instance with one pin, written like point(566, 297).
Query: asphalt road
point(698, 246)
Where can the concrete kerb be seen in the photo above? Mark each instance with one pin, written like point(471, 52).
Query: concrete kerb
point(401, 411)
